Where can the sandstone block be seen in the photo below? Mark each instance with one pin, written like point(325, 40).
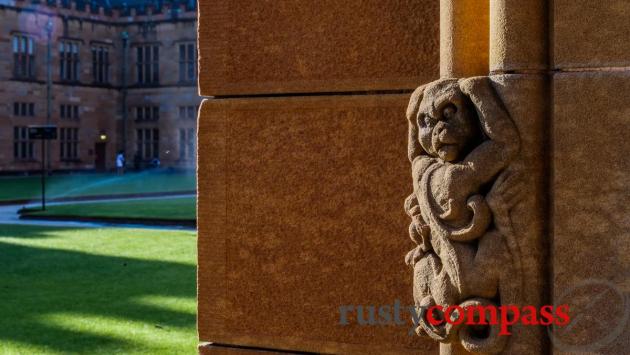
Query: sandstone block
point(300, 212)
point(285, 46)
point(591, 33)
point(591, 223)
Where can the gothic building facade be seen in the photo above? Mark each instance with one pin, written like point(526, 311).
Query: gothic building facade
point(112, 76)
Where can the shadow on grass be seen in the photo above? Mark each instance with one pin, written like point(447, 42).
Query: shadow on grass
point(35, 282)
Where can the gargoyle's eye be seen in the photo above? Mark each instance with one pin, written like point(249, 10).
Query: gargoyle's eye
point(425, 120)
point(449, 111)
point(422, 120)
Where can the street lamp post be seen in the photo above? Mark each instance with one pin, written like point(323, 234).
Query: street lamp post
point(49, 28)
point(125, 39)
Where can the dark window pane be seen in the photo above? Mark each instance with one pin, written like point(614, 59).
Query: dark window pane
point(94, 65)
point(156, 66)
point(75, 69)
point(147, 73)
point(191, 52)
point(182, 144)
point(62, 67)
point(191, 71)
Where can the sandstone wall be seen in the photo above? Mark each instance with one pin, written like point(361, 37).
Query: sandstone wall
point(302, 170)
point(591, 163)
point(302, 163)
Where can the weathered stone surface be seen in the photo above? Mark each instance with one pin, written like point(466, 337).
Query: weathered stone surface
point(463, 38)
point(518, 35)
point(287, 46)
point(591, 214)
point(300, 213)
point(591, 33)
point(216, 349)
point(477, 232)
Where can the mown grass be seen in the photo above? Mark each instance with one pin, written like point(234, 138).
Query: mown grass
point(96, 291)
point(183, 208)
point(92, 184)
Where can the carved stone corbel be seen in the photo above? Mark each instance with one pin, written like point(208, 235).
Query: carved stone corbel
point(462, 147)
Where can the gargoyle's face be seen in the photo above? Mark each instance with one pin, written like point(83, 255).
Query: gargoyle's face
point(447, 125)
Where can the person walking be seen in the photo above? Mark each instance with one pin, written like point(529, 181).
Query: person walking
point(120, 163)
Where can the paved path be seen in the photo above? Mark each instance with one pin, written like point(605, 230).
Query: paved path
point(9, 215)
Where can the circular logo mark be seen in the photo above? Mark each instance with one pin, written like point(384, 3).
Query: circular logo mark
point(598, 313)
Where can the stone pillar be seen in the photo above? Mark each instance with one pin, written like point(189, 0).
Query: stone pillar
point(493, 254)
point(463, 38)
point(519, 70)
point(518, 36)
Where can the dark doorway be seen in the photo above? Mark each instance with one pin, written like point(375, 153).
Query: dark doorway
point(100, 157)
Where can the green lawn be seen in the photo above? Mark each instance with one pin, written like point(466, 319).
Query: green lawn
point(84, 184)
point(168, 208)
point(96, 291)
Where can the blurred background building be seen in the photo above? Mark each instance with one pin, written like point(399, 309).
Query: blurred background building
point(112, 75)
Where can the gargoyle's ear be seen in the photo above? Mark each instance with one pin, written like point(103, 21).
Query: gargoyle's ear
point(414, 148)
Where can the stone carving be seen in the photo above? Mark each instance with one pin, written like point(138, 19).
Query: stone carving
point(462, 143)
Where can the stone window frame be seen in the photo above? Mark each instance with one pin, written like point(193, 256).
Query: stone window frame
point(23, 147)
point(187, 54)
point(188, 112)
point(69, 112)
point(23, 47)
point(148, 143)
point(69, 143)
point(23, 109)
point(101, 62)
point(69, 60)
point(187, 144)
point(147, 68)
point(147, 113)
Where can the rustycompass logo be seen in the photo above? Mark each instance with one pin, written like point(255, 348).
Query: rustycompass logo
point(474, 315)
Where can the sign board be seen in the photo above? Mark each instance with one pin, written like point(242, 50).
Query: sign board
point(42, 132)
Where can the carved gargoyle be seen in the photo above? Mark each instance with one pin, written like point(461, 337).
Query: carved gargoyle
point(462, 142)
